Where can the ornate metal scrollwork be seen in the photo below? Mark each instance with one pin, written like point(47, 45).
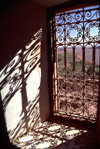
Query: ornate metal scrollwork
point(77, 46)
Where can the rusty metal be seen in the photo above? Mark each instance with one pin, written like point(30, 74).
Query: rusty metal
point(76, 38)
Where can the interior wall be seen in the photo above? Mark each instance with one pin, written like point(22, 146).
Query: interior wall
point(24, 67)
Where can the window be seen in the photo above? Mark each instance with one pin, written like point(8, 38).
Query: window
point(75, 44)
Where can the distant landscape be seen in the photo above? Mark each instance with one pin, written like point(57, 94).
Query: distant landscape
point(78, 59)
point(88, 53)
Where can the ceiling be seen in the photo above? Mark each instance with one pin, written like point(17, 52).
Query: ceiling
point(49, 3)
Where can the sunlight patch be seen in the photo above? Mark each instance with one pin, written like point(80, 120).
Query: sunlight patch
point(43, 145)
point(53, 128)
point(26, 139)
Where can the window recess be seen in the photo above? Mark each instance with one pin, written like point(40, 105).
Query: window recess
point(75, 44)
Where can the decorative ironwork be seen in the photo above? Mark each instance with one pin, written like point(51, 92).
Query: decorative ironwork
point(76, 43)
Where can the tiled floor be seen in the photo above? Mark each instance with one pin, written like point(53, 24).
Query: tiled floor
point(49, 135)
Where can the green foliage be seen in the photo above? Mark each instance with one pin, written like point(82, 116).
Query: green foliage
point(78, 62)
point(89, 70)
point(97, 68)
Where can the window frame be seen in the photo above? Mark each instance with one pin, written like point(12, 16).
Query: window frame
point(51, 54)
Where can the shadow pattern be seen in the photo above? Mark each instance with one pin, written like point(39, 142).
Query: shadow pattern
point(52, 135)
point(13, 80)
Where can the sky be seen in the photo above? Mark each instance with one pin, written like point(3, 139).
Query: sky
point(92, 27)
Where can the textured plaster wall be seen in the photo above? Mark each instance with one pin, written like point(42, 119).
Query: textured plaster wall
point(24, 67)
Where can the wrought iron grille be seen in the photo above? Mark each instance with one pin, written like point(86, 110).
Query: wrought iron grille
point(75, 44)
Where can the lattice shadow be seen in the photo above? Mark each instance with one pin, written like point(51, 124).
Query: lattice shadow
point(57, 136)
point(14, 85)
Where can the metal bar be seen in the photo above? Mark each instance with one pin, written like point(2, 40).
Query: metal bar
point(83, 63)
point(93, 60)
point(73, 59)
point(65, 59)
point(88, 42)
point(77, 22)
point(65, 62)
point(83, 67)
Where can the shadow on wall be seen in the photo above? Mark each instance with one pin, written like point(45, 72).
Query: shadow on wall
point(20, 88)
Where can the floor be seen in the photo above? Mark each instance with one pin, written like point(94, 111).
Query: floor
point(50, 135)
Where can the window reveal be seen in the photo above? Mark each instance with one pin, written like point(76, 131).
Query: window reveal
point(75, 39)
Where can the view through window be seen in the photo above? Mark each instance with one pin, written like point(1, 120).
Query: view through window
point(76, 43)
